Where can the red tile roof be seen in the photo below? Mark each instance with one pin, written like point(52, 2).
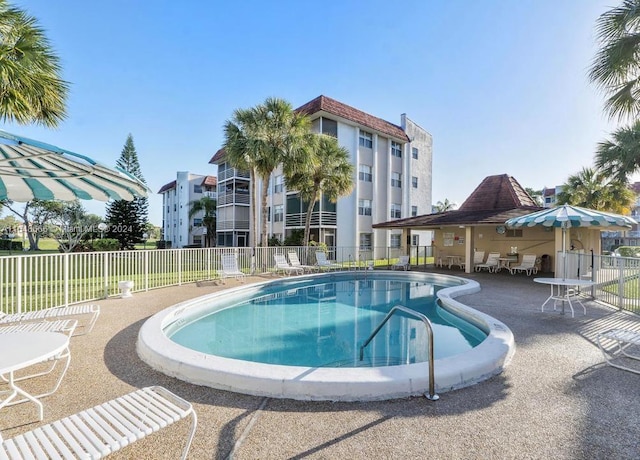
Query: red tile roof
point(219, 155)
point(169, 186)
point(209, 181)
point(333, 107)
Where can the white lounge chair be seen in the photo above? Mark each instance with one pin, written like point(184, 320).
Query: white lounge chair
point(295, 262)
point(402, 263)
point(491, 264)
point(283, 266)
point(230, 268)
point(90, 310)
point(621, 340)
point(528, 265)
point(66, 326)
point(324, 264)
point(104, 429)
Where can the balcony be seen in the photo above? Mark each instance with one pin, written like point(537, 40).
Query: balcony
point(229, 198)
point(224, 225)
point(231, 173)
point(318, 219)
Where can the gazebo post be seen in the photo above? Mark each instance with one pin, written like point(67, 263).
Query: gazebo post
point(469, 236)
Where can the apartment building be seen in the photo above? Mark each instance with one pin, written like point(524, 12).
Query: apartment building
point(393, 177)
point(178, 229)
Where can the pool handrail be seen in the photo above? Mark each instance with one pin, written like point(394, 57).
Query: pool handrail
point(432, 393)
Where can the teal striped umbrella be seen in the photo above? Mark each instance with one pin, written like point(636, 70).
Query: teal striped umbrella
point(33, 170)
point(567, 216)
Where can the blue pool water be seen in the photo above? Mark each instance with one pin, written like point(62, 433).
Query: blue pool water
point(323, 324)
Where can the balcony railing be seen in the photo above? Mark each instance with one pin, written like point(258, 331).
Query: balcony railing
point(224, 225)
point(318, 219)
point(231, 173)
point(233, 198)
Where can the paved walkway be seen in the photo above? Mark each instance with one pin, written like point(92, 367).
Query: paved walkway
point(555, 400)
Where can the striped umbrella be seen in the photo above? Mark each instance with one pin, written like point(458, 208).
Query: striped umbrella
point(567, 216)
point(31, 170)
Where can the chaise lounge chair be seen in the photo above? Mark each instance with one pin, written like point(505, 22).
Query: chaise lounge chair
point(621, 340)
point(528, 265)
point(230, 268)
point(295, 262)
point(491, 264)
point(324, 264)
point(283, 266)
point(402, 263)
point(90, 310)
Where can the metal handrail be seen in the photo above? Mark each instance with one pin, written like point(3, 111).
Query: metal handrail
point(432, 394)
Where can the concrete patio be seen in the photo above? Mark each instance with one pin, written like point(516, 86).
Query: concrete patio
point(557, 399)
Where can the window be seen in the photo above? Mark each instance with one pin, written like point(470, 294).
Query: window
point(197, 188)
point(396, 179)
point(364, 207)
point(414, 153)
point(277, 184)
point(414, 181)
point(366, 241)
point(396, 149)
point(395, 241)
point(366, 139)
point(415, 240)
point(329, 127)
point(414, 211)
point(197, 222)
point(364, 173)
point(514, 233)
point(278, 213)
point(268, 213)
point(396, 212)
point(197, 239)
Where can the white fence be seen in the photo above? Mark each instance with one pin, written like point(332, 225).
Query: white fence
point(36, 281)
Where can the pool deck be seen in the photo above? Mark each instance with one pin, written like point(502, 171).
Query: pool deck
point(557, 399)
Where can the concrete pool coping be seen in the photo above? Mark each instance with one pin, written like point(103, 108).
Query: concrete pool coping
point(334, 384)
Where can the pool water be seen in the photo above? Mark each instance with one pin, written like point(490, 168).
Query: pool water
point(323, 325)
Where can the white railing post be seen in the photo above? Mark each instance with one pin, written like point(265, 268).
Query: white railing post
point(18, 266)
point(179, 254)
point(105, 255)
point(146, 270)
point(66, 279)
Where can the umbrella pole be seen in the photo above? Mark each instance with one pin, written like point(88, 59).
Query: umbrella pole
point(564, 252)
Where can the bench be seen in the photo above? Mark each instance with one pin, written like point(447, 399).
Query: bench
point(622, 339)
point(103, 429)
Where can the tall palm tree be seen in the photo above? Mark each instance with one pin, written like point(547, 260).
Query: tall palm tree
point(616, 66)
point(31, 90)
point(207, 205)
point(261, 138)
point(444, 206)
point(620, 156)
point(332, 176)
point(591, 188)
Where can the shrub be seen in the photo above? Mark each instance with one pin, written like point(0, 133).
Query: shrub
point(106, 244)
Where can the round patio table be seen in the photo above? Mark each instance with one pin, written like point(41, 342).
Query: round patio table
point(563, 293)
point(24, 349)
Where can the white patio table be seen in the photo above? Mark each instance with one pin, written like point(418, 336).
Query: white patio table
point(561, 291)
point(20, 350)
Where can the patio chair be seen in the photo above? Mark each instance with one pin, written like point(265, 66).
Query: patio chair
point(491, 264)
point(528, 265)
point(90, 310)
point(324, 264)
point(295, 262)
point(402, 263)
point(283, 266)
point(622, 340)
point(230, 268)
point(104, 429)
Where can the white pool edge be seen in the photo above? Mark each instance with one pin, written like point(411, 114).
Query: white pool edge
point(334, 384)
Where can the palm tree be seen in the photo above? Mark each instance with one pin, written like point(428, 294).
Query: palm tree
point(207, 205)
point(620, 157)
point(591, 188)
point(616, 66)
point(331, 177)
point(31, 90)
point(261, 138)
point(445, 206)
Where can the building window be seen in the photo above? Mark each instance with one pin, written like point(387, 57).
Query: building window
point(414, 153)
point(395, 241)
point(415, 240)
point(364, 173)
point(414, 211)
point(396, 212)
point(364, 207)
point(366, 139)
point(278, 213)
point(278, 184)
point(197, 188)
point(414, 181)
point(396, 149)
point(366, 241)
point(268, 213)
point(197, 239)
point(396, 179)
point(329, 127)
point(197, 222)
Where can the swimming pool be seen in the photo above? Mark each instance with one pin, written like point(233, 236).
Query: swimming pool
point(299, 337)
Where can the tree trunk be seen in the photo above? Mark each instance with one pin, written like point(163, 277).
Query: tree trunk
point(254, 200)
point(307, 220)
point(265, 191)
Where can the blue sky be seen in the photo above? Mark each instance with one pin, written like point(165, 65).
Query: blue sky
point(500, 85)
